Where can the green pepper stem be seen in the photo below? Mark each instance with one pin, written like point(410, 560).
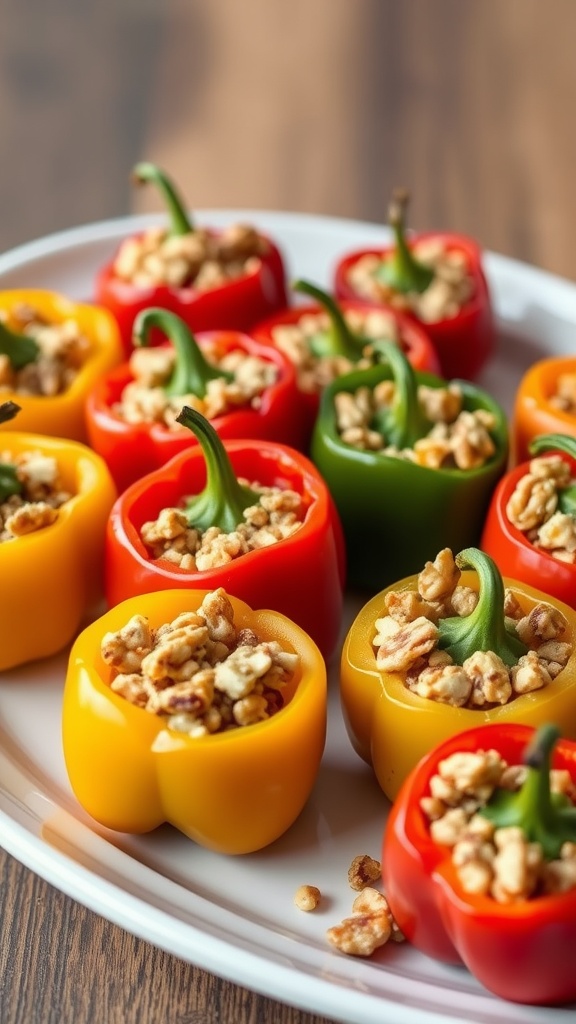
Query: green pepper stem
point(403, 422)
point(340, 340)
point(545, 818)
point(180, 223)
point(224, 499)
point(484, 629)
point(9, 482)
point(8, 410)
point(192, 371)
point(401, 271)
point(19, 348)
point(559, 443)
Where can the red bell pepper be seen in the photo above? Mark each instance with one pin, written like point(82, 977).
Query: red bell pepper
point(340, 342)
point(519, 950)
point(236, 304)
point(301, 576)
point(464, 342)
point(511, 548)
point(133, 449)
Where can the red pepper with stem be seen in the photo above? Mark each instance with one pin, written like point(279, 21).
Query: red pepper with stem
point(133, 449)
point(301, 576)
point(339, 347)
point(520, 950)
point(511, 548)
point(235, 303)
point(464, 339)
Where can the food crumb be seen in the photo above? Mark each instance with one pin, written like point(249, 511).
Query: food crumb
point(307, 897)
point(363, 871)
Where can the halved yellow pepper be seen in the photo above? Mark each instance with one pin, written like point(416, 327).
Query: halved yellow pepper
point(392, 728)
point(62, 415)
point(52, 576)
point(234, 792)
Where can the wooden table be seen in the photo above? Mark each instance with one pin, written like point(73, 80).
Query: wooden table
point(320, 107)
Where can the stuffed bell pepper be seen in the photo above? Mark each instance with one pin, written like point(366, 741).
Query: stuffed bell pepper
point(479, 859)
point(52, 353)
point(451, 648)
point(245, 388)
point(214, 280)
point(189, 707)
point(530, 529)
point(252, 516)
point(55, 498)
point(411, 462)
point(545, 403)
point(325, 339)
point(435, 278)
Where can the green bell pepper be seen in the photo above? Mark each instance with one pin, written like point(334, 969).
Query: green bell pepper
point(396, 513)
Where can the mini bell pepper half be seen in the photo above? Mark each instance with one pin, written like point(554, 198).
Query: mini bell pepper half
point(511, 547)
point(391, 727)
point(396, 513)
point(60, 414)
point(133, 449)
point(518, 950)
point(53, 576)
point(235, 304)
point(234, 791)
point(301, 576)
point(339, 342)
point(537, 409)
point(464, 340)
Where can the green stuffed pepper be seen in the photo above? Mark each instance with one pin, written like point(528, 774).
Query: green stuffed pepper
point(411, 461)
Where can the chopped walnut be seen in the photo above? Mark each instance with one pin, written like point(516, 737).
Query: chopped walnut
point(450, 289)
point(200, 258)
point(36, 506)
point(62, 351)
point(462, 439)
point(406, 641)
point(198, 671)
point(307, 897)
point(494, 861)
point(276, 517)
point(144, 399)
point(533, 508)
point(363, 871)
point(564, 396)
point(369, 927)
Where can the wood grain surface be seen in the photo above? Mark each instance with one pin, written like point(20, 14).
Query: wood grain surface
point(313, 105)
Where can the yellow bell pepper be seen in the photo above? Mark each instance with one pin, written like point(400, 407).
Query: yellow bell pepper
point(52, 576)
point(234, 791)
point(392, 728)
point(62, 415)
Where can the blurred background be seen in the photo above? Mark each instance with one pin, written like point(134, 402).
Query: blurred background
point(313, 105)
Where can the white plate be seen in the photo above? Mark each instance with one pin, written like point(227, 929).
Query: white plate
point(235, 916)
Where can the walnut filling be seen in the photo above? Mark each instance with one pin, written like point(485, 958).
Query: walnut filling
point(533, 508)
point(315, 372)
point(144, 399)
point(499, 862)
point(63, 350)
point(36, 506)
point(451, 288)
point(200, 258)
point(277, 516)
point(456, 439)
point(199, 672)
point(406, 641)
point(564, 397)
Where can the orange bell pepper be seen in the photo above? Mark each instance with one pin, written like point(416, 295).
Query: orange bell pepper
point(52, 576)
point(62, 415)
point(234, 791)
point(533, 414)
